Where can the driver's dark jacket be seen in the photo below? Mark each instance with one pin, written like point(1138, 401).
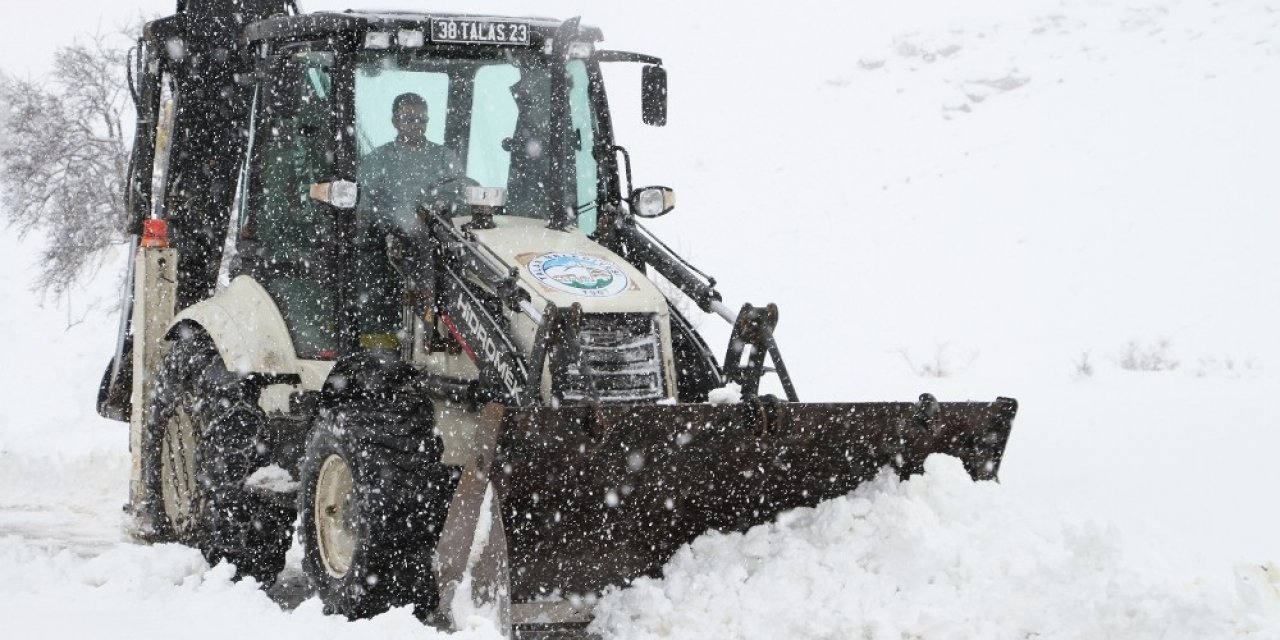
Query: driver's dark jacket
point(394, 179)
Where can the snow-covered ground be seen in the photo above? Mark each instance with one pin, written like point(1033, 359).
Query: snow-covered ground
point(936, 556)
point(1002, 190)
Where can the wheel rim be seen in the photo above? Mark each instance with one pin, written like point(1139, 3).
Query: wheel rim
point(335, 508)
point(177, 467)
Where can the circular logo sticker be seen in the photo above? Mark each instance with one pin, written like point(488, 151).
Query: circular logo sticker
point(578, 274)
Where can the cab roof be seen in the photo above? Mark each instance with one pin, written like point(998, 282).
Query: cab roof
point(350, 23)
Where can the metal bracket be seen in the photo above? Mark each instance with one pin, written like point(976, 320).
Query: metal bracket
point(926, 412)
point(473, 540)
point(751, 339)
point(557, 339)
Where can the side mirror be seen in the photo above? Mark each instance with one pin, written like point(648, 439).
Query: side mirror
point(653, 96)
point(651, 202)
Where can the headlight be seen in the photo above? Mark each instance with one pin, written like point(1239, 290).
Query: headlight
point(377, 40)
point(651, 202)
point(412, 39)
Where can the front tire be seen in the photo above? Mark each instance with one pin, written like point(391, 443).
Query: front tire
point(373, 499)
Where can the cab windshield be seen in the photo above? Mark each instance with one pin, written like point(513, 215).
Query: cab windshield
point(429, 124)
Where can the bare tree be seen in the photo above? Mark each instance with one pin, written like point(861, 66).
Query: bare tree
point(1157, 356)
point(1083, 365)
point(944, 363)
point(64, 159)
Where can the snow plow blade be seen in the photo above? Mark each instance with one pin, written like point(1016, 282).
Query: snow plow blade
point(593, 497)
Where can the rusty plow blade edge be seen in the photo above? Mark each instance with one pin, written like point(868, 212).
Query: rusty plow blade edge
point(593, 497)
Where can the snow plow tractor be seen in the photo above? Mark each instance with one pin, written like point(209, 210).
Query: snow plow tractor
point(391, 283)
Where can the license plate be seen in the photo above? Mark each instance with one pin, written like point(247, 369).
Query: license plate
point(477, 31)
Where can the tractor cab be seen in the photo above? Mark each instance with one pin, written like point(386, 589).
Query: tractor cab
point(360, 121)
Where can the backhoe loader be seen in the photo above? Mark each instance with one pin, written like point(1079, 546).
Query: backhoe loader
point(462, 382)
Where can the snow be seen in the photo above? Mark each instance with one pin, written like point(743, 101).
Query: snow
point(971, 199)
point(937, 556)
point(164, 591)
point(464, 606)
point(728, 394)
point(273, 478)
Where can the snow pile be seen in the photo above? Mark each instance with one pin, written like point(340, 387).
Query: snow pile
point(272, 478)
point(729, 394)
point(937, 556)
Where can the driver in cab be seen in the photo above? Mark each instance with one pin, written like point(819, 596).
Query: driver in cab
point(397, 176)
point(394, 180)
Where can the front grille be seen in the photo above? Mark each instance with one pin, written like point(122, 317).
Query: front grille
point(622, 354)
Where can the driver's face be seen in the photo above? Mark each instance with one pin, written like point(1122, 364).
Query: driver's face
point(410, 121)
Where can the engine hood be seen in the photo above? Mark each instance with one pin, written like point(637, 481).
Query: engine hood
point(565, 267)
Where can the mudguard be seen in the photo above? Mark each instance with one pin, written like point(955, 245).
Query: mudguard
point(247, 328)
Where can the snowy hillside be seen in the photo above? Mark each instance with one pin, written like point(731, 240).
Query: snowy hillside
point(1010, 193)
